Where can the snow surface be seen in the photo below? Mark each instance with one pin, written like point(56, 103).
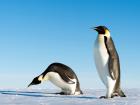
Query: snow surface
point(47, 97)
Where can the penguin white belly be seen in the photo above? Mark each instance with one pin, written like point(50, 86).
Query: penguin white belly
point(58, 81)
point(101, 60)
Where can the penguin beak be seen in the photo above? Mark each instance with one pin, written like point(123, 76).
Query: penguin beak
point(30, 85)
point(96, 28)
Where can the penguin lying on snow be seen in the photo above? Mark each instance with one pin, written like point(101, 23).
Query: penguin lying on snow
point(107, 62)
point(61, 76)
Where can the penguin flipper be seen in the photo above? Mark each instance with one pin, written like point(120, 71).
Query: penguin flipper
point(113, 63)
point(66, 77)
point(112, 68)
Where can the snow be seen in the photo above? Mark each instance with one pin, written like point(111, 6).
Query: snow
point(47, 97)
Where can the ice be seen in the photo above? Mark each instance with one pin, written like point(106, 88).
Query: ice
point(48, 97)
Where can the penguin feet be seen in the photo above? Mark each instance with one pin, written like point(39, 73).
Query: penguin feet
point(103, 97)
point(120, 93)
point(63, 93)
point(114, 95)
point(123, 95)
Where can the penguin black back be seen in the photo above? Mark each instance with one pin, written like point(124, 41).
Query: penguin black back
point(61, 69)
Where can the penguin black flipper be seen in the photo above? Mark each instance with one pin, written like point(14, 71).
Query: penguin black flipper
point(113, 64)
point(65, 72)
point(66, 77)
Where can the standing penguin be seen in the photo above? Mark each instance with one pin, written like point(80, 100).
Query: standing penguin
point(61, 76)
point(107, 62)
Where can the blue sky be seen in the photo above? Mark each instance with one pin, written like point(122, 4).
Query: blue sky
point(36, 33)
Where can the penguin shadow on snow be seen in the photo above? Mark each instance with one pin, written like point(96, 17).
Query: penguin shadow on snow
point(43, 94)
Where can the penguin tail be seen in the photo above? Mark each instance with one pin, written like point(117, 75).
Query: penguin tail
point(81, 92)
point(121, 93)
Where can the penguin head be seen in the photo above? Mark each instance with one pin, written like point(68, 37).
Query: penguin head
point(37, 80)
point(102, 30)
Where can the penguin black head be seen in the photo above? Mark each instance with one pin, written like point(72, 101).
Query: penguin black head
point(35, 81)
point(101, 29)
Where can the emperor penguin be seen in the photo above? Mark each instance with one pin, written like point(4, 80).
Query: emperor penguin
point(61, 76)
point(107, 62)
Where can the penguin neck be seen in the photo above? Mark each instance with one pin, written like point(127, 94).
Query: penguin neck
point(40, 78)
point(45, 78)
point(100, 38)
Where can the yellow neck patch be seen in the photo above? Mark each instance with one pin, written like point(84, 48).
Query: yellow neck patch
point(107, 33)
point(46, 78)
point(40, 78)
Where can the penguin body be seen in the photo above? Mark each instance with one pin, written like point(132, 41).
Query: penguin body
point(61, 76)
point(101, 61)
point(107, 62)
point(67, 88)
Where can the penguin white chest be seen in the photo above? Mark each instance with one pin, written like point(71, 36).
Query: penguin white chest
point(101, 59)
point(58, 81)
